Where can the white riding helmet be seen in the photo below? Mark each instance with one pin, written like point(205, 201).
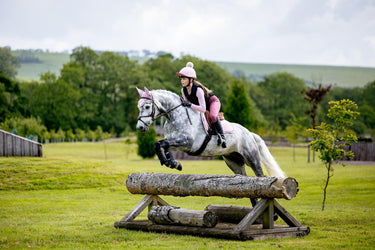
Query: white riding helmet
point(187, 71)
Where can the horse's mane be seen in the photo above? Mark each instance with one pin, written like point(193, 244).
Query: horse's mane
point(164, 91)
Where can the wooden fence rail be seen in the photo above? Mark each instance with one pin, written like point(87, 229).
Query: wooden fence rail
point(14, 145)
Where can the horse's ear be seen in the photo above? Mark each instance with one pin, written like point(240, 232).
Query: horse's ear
point(140, 92)
point(147, 92)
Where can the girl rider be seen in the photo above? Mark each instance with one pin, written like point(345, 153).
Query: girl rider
point(200, 98)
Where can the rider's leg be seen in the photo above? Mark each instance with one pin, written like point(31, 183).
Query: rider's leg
point(219, 129)
point(214, 111)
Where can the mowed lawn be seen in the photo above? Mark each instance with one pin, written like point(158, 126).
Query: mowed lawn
point(72, 196)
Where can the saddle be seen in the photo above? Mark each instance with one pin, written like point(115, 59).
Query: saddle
point(207, 123)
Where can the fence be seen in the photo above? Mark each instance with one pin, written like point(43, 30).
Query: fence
point(363, 151)
point(14, 145)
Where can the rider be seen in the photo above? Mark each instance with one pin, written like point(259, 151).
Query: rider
point(200, 98)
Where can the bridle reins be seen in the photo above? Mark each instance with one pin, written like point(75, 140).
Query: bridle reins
point(161, 111)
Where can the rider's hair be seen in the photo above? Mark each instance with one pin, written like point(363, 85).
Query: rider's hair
point(205, 89)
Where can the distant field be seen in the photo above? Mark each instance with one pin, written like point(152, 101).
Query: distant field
point(52, 62)
point(347, 77)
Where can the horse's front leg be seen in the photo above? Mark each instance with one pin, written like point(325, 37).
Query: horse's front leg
point(166, 157)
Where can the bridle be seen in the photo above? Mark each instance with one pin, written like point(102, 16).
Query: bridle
point(161, 111)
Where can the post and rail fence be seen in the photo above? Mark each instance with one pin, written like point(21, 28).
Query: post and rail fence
point(14, 145)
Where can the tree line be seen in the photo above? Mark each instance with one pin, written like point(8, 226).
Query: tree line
point(97, 89)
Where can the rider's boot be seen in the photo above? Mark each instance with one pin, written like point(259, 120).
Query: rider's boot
point(219, 130)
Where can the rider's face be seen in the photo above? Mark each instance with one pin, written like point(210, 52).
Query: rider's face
point(184, 81)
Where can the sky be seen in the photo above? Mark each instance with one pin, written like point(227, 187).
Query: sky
point(313, 32)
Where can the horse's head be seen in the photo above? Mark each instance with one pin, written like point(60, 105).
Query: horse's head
point(148, 110)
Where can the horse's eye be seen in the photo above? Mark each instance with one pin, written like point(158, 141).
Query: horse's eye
point(147, 107)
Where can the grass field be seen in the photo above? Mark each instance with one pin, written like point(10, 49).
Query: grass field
point(70, 199)
point(346, 77)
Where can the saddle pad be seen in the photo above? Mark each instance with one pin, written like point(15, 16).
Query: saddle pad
point(227, 126)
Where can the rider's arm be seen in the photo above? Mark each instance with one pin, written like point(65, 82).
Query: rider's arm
point(202, 103)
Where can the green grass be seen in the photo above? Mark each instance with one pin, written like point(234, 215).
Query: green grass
point(52, 62)
point(70, 199)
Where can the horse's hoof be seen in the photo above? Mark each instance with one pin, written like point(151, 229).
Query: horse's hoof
point(179, 167)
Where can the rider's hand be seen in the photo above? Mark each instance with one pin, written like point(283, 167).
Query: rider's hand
point(185, 103)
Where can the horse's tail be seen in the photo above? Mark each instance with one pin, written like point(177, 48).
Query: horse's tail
point(267, 159)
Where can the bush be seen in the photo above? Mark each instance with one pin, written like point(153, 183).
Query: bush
point(25, 126)
point(146, 143)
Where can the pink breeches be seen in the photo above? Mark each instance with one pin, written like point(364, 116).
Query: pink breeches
point(214, 108)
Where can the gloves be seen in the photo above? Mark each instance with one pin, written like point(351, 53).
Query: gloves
point(185, 103)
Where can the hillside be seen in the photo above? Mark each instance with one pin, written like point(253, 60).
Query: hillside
point(347, 77)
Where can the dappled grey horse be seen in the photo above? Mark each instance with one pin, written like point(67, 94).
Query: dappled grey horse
point(185, 131)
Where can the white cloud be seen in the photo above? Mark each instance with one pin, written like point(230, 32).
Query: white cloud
point(273, 31)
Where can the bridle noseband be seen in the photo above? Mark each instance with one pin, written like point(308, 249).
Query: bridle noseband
point(152, 115)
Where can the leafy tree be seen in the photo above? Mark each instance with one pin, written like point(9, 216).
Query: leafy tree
point(331, 139)
point(238, 107)
point(146, 143)
point(11, 101)
point(367, 107)
point(55, 102)
point(160, 73)
point(8, 63)
point(281, 98)
point(80, 134)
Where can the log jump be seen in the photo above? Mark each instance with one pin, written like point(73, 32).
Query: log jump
point(231, 186)
point(233, 222)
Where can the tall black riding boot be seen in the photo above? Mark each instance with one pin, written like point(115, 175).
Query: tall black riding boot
point(219, 130)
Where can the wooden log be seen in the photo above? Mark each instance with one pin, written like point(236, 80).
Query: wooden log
point(231, 214)
point(232, 186)
point(180, 216)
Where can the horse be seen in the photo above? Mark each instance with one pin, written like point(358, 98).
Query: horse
point(185, 131)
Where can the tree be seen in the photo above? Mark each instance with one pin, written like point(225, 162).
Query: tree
point(281, 98)
point(146, 143)
point(238, 107)
point(11, 101)
point(331, 139)
point(8, 63)
point(55, 102)
point(314, 97)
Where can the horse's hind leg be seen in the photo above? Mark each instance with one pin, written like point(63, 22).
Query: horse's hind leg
point(236, 163)
point(252, 159)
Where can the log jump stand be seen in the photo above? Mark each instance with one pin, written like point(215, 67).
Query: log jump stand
point(231, 222)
